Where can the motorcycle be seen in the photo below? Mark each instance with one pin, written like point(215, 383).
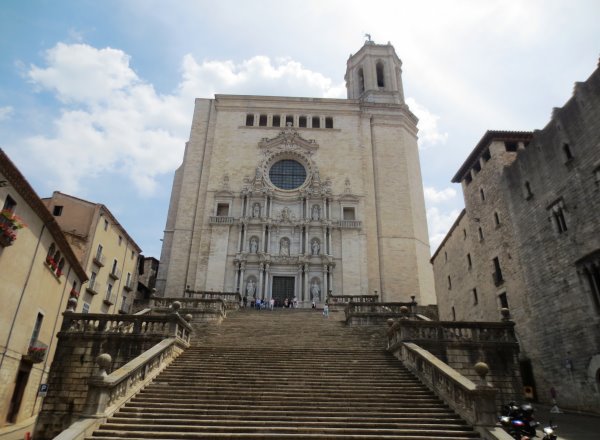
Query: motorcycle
point(549, 433)
point(518, 421)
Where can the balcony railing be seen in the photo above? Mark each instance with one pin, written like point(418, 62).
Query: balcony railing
point(350, 224)
point(99, 259)
point(128, 286)
point(219, 220)
point(115, 273)
point(94, 287)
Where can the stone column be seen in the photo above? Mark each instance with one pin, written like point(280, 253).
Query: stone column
point(298, 289)
point(323, 215)
point(306, 248)
point(268, 238)
point(262, 242)
point(260, 280)
point(329, 249)
point(305, 293)
point(240, 248)
point(307, 214)
point(324, 242)
point(325, 275)
point(270, 207)
point(331, 280)
point(268, 282)
point(263, 212)
point(243, 285)
point(237, 279)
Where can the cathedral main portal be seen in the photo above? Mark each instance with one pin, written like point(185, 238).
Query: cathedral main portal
point(283, 287)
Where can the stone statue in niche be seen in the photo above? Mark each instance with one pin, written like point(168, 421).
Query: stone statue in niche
point(316, 212)
point(256, 210)
point(253, 245)
point(316, 247)
point(250, 288)
point(285, 214)
point(284, 247)
point(315, 291)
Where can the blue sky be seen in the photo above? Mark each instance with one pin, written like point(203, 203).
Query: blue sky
point(96, 98)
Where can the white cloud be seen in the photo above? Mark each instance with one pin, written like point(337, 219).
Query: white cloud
point(429, 133)
point(433, 196)
point(114, 122)
point(6, 112)
point(439, 222)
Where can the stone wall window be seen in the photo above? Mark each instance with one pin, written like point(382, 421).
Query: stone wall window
point(105, 225)
point(480, 231)
point(477, 167)
point(453, 314)
point(329, 122)
point(475, 298)
point(528, 193)
point(482, 194)
point(567, 152)
point(590, 270)
point(380, 74)
point(511, 146)
point(262, 120)
point(57, 211)
point(249, 120)
point(349, 213)
point(486, 155)
point(558, 216)
point(496, 219)
point(469, 262)
point(361, 81)
point(503, 299)
point(276, 121)
point(302, 121)
point(316, 122)
point(289, 121)
point(464, 234)
point(497, 274)
point(222, 209)
point(449, 283)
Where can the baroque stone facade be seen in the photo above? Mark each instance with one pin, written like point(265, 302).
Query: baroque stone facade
point(284, 197)
point(538, 208)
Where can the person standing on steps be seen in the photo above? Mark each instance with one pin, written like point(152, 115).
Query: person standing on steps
point(326, 310)
point(245, 301)
point(272, 303)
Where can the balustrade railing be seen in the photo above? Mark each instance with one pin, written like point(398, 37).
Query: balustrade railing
point(218, 220)
point(474, 402)
point(147, 325)
point(451, 332)
point(350, 224)
point(162, 304)
point(344, 299)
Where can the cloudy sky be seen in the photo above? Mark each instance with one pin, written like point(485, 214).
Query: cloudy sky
point(96, 97)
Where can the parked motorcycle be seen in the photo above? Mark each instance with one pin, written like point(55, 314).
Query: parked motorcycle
point(518, 421)
point(549, 433)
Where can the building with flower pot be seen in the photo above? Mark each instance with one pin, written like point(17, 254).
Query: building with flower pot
point(39, 273)
point(104, 248)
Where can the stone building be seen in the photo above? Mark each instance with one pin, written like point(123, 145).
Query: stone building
point(39, 273)
point(146, 285)
point(537, 202)
point(103, 247)
point(296, 197)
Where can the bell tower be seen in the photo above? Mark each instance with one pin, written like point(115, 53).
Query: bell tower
point(374, 74)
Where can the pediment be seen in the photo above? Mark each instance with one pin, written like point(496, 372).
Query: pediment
point(289, 138)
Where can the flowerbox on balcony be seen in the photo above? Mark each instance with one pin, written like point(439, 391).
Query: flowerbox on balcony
point(36, 352)
point(9, 223)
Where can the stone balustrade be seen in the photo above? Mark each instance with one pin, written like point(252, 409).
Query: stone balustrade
point(373, 313)
point(220, 220)
point(201, 309)
point(463, 333)
point(474, 402)
point(232, 299)
point(344, 299)
point(143, 325)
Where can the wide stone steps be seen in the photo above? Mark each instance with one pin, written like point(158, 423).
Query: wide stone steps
point(286, 374)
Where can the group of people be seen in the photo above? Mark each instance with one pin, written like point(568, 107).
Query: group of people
point(259, 304)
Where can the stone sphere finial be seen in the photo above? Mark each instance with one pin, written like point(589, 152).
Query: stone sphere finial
point(505, 314)
point(71, 304)
point(482, 369)
point(176, 305)
point(188, 317)
point(390, 322)
point(104, 360)
point(404, 312)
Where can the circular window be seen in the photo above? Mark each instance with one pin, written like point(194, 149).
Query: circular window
point(287, 174)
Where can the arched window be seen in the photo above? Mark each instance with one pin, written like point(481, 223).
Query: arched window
point(361, 81)
point(379, 70)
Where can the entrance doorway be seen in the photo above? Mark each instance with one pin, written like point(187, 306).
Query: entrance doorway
point(17, 396)
point(283, 287)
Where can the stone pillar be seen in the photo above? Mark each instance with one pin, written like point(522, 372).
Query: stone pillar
point(298, 289)
point(268, 238)
point(260, 280)
point(306, 210)
point(325, 275)
point(329, 249)
point(263, 212)
point(323, 249)
point(262, 242)
point(268, 282)
point(243, 284)
point(237, 279)
point(305, 293)
point(307, 250)
point(240, 227)
point(323, 210)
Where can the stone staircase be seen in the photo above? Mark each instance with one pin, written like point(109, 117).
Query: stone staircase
point(285, 374)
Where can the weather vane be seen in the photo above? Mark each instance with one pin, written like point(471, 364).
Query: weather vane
point(368, 37)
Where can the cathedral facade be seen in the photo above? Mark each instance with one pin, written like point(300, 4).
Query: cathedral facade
point(282, 197)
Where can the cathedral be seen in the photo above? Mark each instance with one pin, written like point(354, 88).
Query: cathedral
point(301, 198)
